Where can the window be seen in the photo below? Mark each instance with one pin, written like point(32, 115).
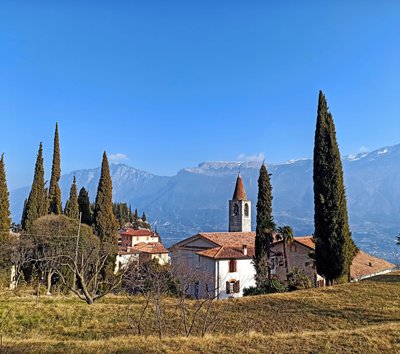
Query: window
point(293, 248)
point(233, 287)
point(196, 289)
point(232, 266)
point(246, 210)
point(235, 210)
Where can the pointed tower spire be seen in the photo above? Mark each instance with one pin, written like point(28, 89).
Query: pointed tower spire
point(240, 192)
point(239, 209)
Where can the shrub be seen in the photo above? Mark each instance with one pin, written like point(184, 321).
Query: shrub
point(298, 280)
point(272, 286)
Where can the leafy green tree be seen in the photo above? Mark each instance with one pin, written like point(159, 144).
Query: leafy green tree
point(54, 189)
point(104, 219)
point(85, 207)
point(5, 220)
point(335, 248)
point(265, 228)
point(55, 246)
point(71, 206)
point(36, 205)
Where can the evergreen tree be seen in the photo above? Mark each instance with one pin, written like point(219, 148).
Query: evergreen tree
point(71, 206)
point(104, 219)
point(136, 219)
point(5, 220)
point(144, 218)
point(24, 211)
point(130, 214)
point(54, 190)
point(36, 205)
point(85, 207)
point(335, 249)
point(264, 229)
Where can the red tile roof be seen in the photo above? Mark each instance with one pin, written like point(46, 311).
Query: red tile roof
point(307, 241)
point(365, 265)
point(240, 193)
point(230, 239)
point(223, 252)
point(151, 248)
point(133, 232)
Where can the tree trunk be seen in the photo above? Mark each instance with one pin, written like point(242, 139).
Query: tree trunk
point(49, 277)
point(286, 258)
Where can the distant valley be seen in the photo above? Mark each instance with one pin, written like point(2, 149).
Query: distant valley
point(197, 198)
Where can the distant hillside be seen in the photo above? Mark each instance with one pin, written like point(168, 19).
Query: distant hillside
point(197, 198)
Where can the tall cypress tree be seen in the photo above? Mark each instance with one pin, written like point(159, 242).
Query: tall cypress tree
point(335, 249)
point(36, 205)
point(54, 190)
point(84, 207)
point(5, 220)
point(71, 206)
point(265, 227)
point(104, 219)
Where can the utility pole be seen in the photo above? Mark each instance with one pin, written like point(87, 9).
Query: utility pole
point(76, 250)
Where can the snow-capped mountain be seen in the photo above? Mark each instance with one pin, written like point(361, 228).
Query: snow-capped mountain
point(197, 198)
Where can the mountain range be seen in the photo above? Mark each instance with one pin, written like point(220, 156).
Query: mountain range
point(196, 199)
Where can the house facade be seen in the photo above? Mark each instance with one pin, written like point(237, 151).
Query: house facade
point(138, 247)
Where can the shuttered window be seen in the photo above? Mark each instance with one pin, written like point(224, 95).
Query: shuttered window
point(233, 287)
point(232, 266)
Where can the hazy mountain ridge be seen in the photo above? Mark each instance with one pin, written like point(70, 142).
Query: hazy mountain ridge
point(197, 198)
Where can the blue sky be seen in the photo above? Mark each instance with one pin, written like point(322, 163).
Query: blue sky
point(170, 84)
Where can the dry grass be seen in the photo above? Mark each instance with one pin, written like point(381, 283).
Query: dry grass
point(363, 317)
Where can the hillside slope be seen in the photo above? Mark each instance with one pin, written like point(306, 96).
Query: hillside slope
point(362, 317)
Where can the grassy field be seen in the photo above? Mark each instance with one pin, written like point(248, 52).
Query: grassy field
point(362, 317)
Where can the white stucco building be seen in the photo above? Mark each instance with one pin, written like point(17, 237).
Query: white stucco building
point(222, 261)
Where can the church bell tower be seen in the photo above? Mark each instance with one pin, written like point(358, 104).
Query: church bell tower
point(239, 209)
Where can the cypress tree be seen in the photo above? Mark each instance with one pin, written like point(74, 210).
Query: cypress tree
point(54, 190)
point(130, 214)
point(5, 220)
point(36, 205)
point(335, 249)
point(265, 227)
point(104, 219)
point(84, 207)
point(24, 211)
point(71, 206)
point(144, 218)
point(136, 219)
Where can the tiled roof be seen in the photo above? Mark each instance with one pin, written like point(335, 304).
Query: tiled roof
point(240, 193)
point(307, 241)
point(152, 248)
point(230, 239)
point(365, 265)
point(224, 252)
point(133, 232)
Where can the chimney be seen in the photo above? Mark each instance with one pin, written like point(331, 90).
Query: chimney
point(245, 250)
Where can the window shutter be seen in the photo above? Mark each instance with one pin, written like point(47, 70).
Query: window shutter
point(237, 287)
point(235, 265)
point(228, 291)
